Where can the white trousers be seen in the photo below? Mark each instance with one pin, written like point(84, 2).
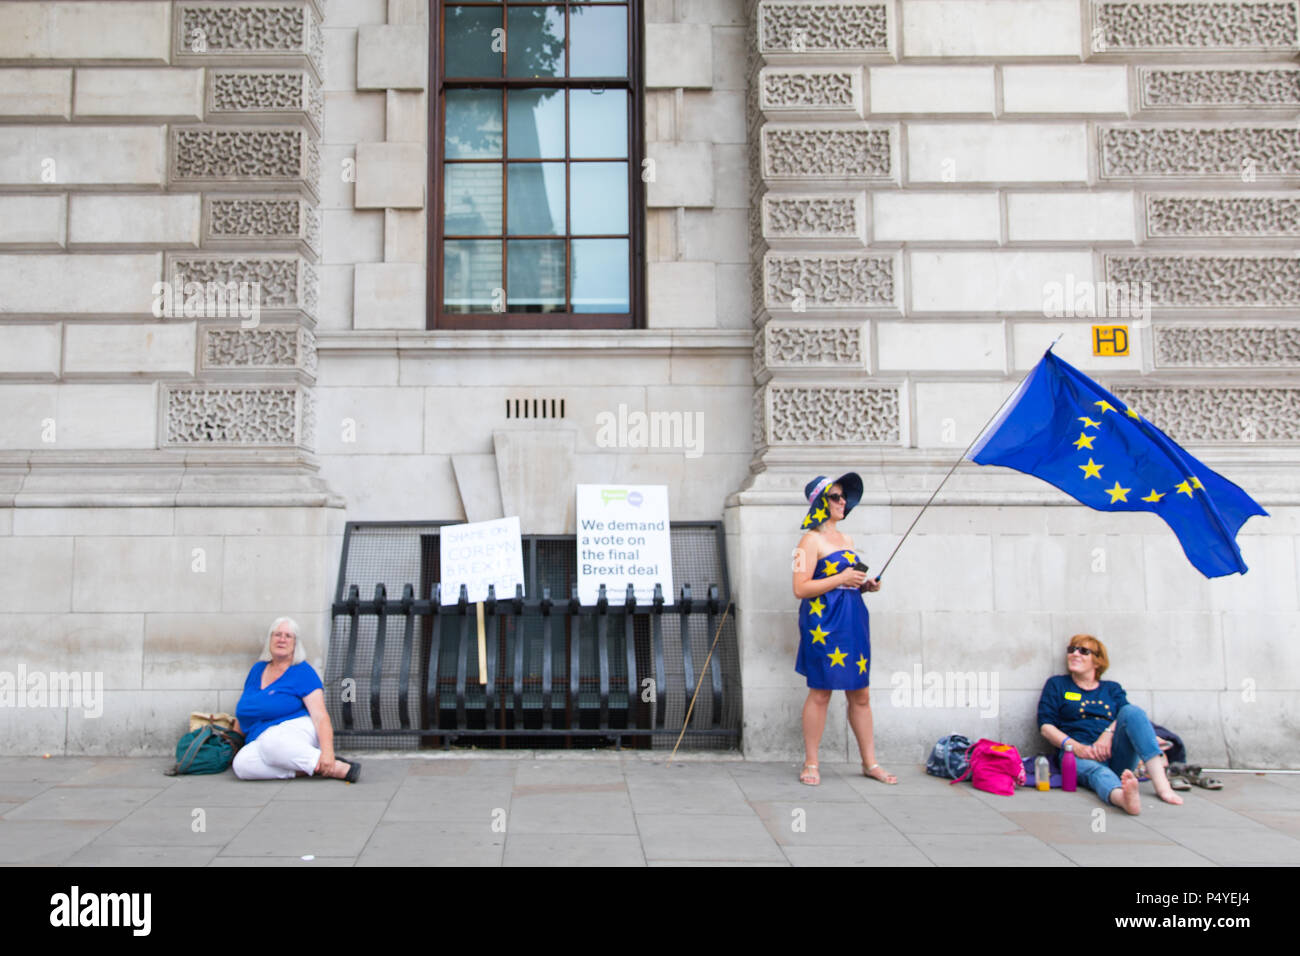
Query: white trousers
point(279, 751)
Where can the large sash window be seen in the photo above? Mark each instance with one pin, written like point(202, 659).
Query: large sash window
point(537, 187)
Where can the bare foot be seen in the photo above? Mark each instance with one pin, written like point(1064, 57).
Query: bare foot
point(1130, 801)
point(1168, 796)
point(877, 772)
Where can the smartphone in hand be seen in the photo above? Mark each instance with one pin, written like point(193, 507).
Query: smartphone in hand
point(859, 566)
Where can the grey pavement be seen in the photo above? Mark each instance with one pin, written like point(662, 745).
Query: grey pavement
point(624, 809)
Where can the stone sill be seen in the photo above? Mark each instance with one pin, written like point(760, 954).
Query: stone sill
point(634, 343)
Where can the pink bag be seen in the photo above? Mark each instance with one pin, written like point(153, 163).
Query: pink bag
point(994, 768)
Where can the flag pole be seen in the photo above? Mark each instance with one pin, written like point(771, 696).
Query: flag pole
point(960, 459)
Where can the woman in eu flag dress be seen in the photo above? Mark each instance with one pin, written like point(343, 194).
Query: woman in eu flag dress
point(834, 635)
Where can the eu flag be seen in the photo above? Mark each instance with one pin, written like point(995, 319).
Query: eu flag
point(1064, 428)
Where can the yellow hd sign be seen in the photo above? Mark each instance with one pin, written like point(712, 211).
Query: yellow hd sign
point(1110, 340)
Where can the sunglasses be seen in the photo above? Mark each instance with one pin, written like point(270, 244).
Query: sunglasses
point(836, 497)
point(1085, 651)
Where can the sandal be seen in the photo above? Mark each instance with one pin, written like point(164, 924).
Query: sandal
point(1193, 775)
point(809, 775)
point(866, 772)
point(1176, 772)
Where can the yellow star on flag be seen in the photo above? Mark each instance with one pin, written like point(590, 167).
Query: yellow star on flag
point(1088, 422)
point(862, 664)
point(837, 657)
point(1117, 493)
point(817, 606)
point(1105, 406)
point(832, 567)
point(1154, 496)
point(818, 635)
point(1084, 441)
point(1196, 482)
point(1184, 488)
point(820, 514)
point(1132, 414)
point(1092, 469)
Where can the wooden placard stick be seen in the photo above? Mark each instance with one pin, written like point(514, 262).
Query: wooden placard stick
point(482, 644)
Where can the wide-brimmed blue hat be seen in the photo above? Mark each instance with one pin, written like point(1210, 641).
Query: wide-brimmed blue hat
point(815, 492)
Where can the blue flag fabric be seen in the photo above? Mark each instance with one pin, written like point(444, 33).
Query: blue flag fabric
point(1064, 428)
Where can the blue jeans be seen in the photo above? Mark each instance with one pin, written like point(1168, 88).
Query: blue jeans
point(1133, 739)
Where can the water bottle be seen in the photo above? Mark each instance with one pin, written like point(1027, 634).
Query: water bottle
point(1042, 774)
point(1069, 769)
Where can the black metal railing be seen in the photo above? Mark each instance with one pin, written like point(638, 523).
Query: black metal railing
point(619, 671)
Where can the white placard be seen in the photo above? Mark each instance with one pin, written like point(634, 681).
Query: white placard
point(479, 554)
point(624, 538)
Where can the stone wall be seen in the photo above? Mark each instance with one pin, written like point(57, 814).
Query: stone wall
point(926, 174)
point(159, 497)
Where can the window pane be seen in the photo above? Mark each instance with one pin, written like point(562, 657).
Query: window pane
point(599, 204)
point(600, 275)
point(535, 41)
point(472, 199)
point(536, 199)
point(536, 120)
point(536, 282)
point(473, 124)
point(468, 50)
point(598, 41)
point(598, 123)
point(471, 275)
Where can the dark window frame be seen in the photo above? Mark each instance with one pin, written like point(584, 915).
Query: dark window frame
point(635, 317)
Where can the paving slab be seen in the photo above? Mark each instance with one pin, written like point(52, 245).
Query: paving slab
point(612, 808)
point(301, 828)
point(433, 844)
point(573, 849)
point(706, 836)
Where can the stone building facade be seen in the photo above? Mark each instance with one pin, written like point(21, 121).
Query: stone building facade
point(852, 219)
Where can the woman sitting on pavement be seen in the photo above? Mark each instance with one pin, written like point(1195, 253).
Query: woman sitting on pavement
point(283, 718)
point(1081, 712)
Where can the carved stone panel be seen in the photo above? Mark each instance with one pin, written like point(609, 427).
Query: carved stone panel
point(247, 33)
point(1276, 215)
point(823, 27)
point(832, 415)
point(271, 93)
point(1236, 25)
point(247, 154)
point(809, 89)
point(285, 282)
point(1211, 281)
point(828, 152)
point(820, 345)
point(261, 221)
point(1188, 346)
point(800, 282)
point(1220, 415)
point(235, 415)
point(265, 347)
point(1198, 88)
point(1242, 153)
point(829, 217)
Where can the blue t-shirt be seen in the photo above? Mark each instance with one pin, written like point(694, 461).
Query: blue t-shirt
point(1083, 714)
point(280, 701)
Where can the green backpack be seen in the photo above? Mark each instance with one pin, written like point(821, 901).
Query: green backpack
point(210, 749)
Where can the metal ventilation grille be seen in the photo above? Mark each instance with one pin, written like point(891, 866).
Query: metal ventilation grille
point(534, 408)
